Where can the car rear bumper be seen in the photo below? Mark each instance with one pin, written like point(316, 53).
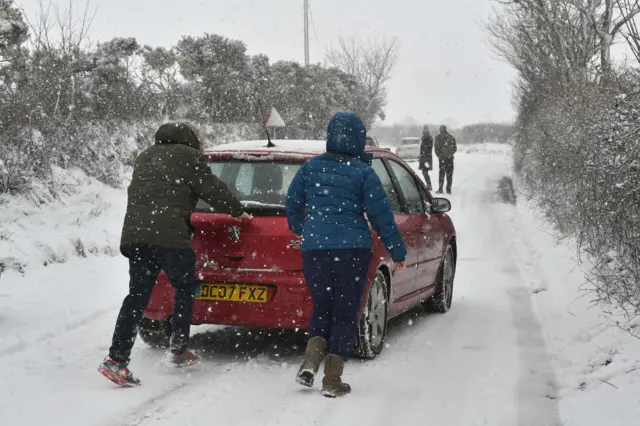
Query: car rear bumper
point(288, 303)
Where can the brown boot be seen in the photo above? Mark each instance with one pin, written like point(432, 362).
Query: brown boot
point(316, 350)
point(332, 385)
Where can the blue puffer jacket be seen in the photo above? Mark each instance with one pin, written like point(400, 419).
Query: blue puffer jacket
point(331, 193)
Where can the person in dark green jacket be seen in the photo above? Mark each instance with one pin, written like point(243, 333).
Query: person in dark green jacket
point(446, 147)
point(168, 180)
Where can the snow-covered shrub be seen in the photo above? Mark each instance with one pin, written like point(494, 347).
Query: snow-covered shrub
point(23, 159)
point(103, 150)
point(578, 155)
point(70, 104)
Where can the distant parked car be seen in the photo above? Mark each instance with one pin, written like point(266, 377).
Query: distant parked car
point(409, 148)
point(250, 272)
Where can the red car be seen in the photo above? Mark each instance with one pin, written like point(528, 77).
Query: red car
point(251, 272)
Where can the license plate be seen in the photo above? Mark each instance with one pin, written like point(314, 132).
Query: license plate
point(233, 293)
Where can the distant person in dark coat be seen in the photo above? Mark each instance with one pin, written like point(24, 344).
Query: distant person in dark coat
point(326, 205)
point(426, 155)
point(446, 148)
point(168, 179)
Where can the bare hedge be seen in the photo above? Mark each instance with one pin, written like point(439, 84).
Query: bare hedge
point(578, 154)
point(103, 150)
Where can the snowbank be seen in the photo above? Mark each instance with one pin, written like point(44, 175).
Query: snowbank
point(72, 211)
point(83, 219)
point(485, 148)
point(596, 362)
point(489, 148)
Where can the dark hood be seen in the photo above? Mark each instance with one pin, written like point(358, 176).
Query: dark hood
point(347, 135)
point(177, 133)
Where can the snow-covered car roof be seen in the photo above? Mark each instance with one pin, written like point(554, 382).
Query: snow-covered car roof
point(284, 145)
point(284, 148)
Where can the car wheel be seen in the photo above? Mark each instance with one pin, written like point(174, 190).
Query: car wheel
point(373, 322)
point(441, 301)
point(155, 333)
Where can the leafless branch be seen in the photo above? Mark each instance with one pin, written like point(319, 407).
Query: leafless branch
point(370, 62)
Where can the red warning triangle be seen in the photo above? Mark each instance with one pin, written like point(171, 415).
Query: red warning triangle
point(273, 119)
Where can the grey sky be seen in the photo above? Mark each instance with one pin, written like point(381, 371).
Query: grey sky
point(446, 71)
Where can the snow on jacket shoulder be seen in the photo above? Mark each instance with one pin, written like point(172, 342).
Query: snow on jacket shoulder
point(331, 193)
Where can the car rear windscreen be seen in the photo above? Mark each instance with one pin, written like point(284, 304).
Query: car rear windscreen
point(260, 186)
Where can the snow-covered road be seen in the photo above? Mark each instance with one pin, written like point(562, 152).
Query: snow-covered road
point(483, 363)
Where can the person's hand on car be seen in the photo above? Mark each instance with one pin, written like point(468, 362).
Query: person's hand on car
point(245, 217)
point(399, 267)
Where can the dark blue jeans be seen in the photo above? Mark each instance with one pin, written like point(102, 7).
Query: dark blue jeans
point(145, 263)
point(336, 280)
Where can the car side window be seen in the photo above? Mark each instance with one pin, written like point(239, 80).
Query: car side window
point(409, 188)
point(426, 200)
point(387, 184)
point(288, 173)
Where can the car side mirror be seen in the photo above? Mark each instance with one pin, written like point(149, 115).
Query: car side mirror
point(440, 205)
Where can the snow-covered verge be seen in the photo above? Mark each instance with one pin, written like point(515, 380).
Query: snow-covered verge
point(485, 148)
point(81, 220)
point(71, 212)
point(475, 148)
point(596, 362)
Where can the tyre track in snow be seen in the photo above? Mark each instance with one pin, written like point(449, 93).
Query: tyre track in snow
point(45, 339)
point(538, 385)
point(63, 317)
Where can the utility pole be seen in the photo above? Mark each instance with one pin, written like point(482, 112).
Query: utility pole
point(306, 32)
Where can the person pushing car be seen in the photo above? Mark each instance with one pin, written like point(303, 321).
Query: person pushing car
point(168, 179)
point(326, 205)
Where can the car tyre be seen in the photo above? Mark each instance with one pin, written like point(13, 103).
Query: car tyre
point(155, 333)
point(373, 321)
point(441, 301)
